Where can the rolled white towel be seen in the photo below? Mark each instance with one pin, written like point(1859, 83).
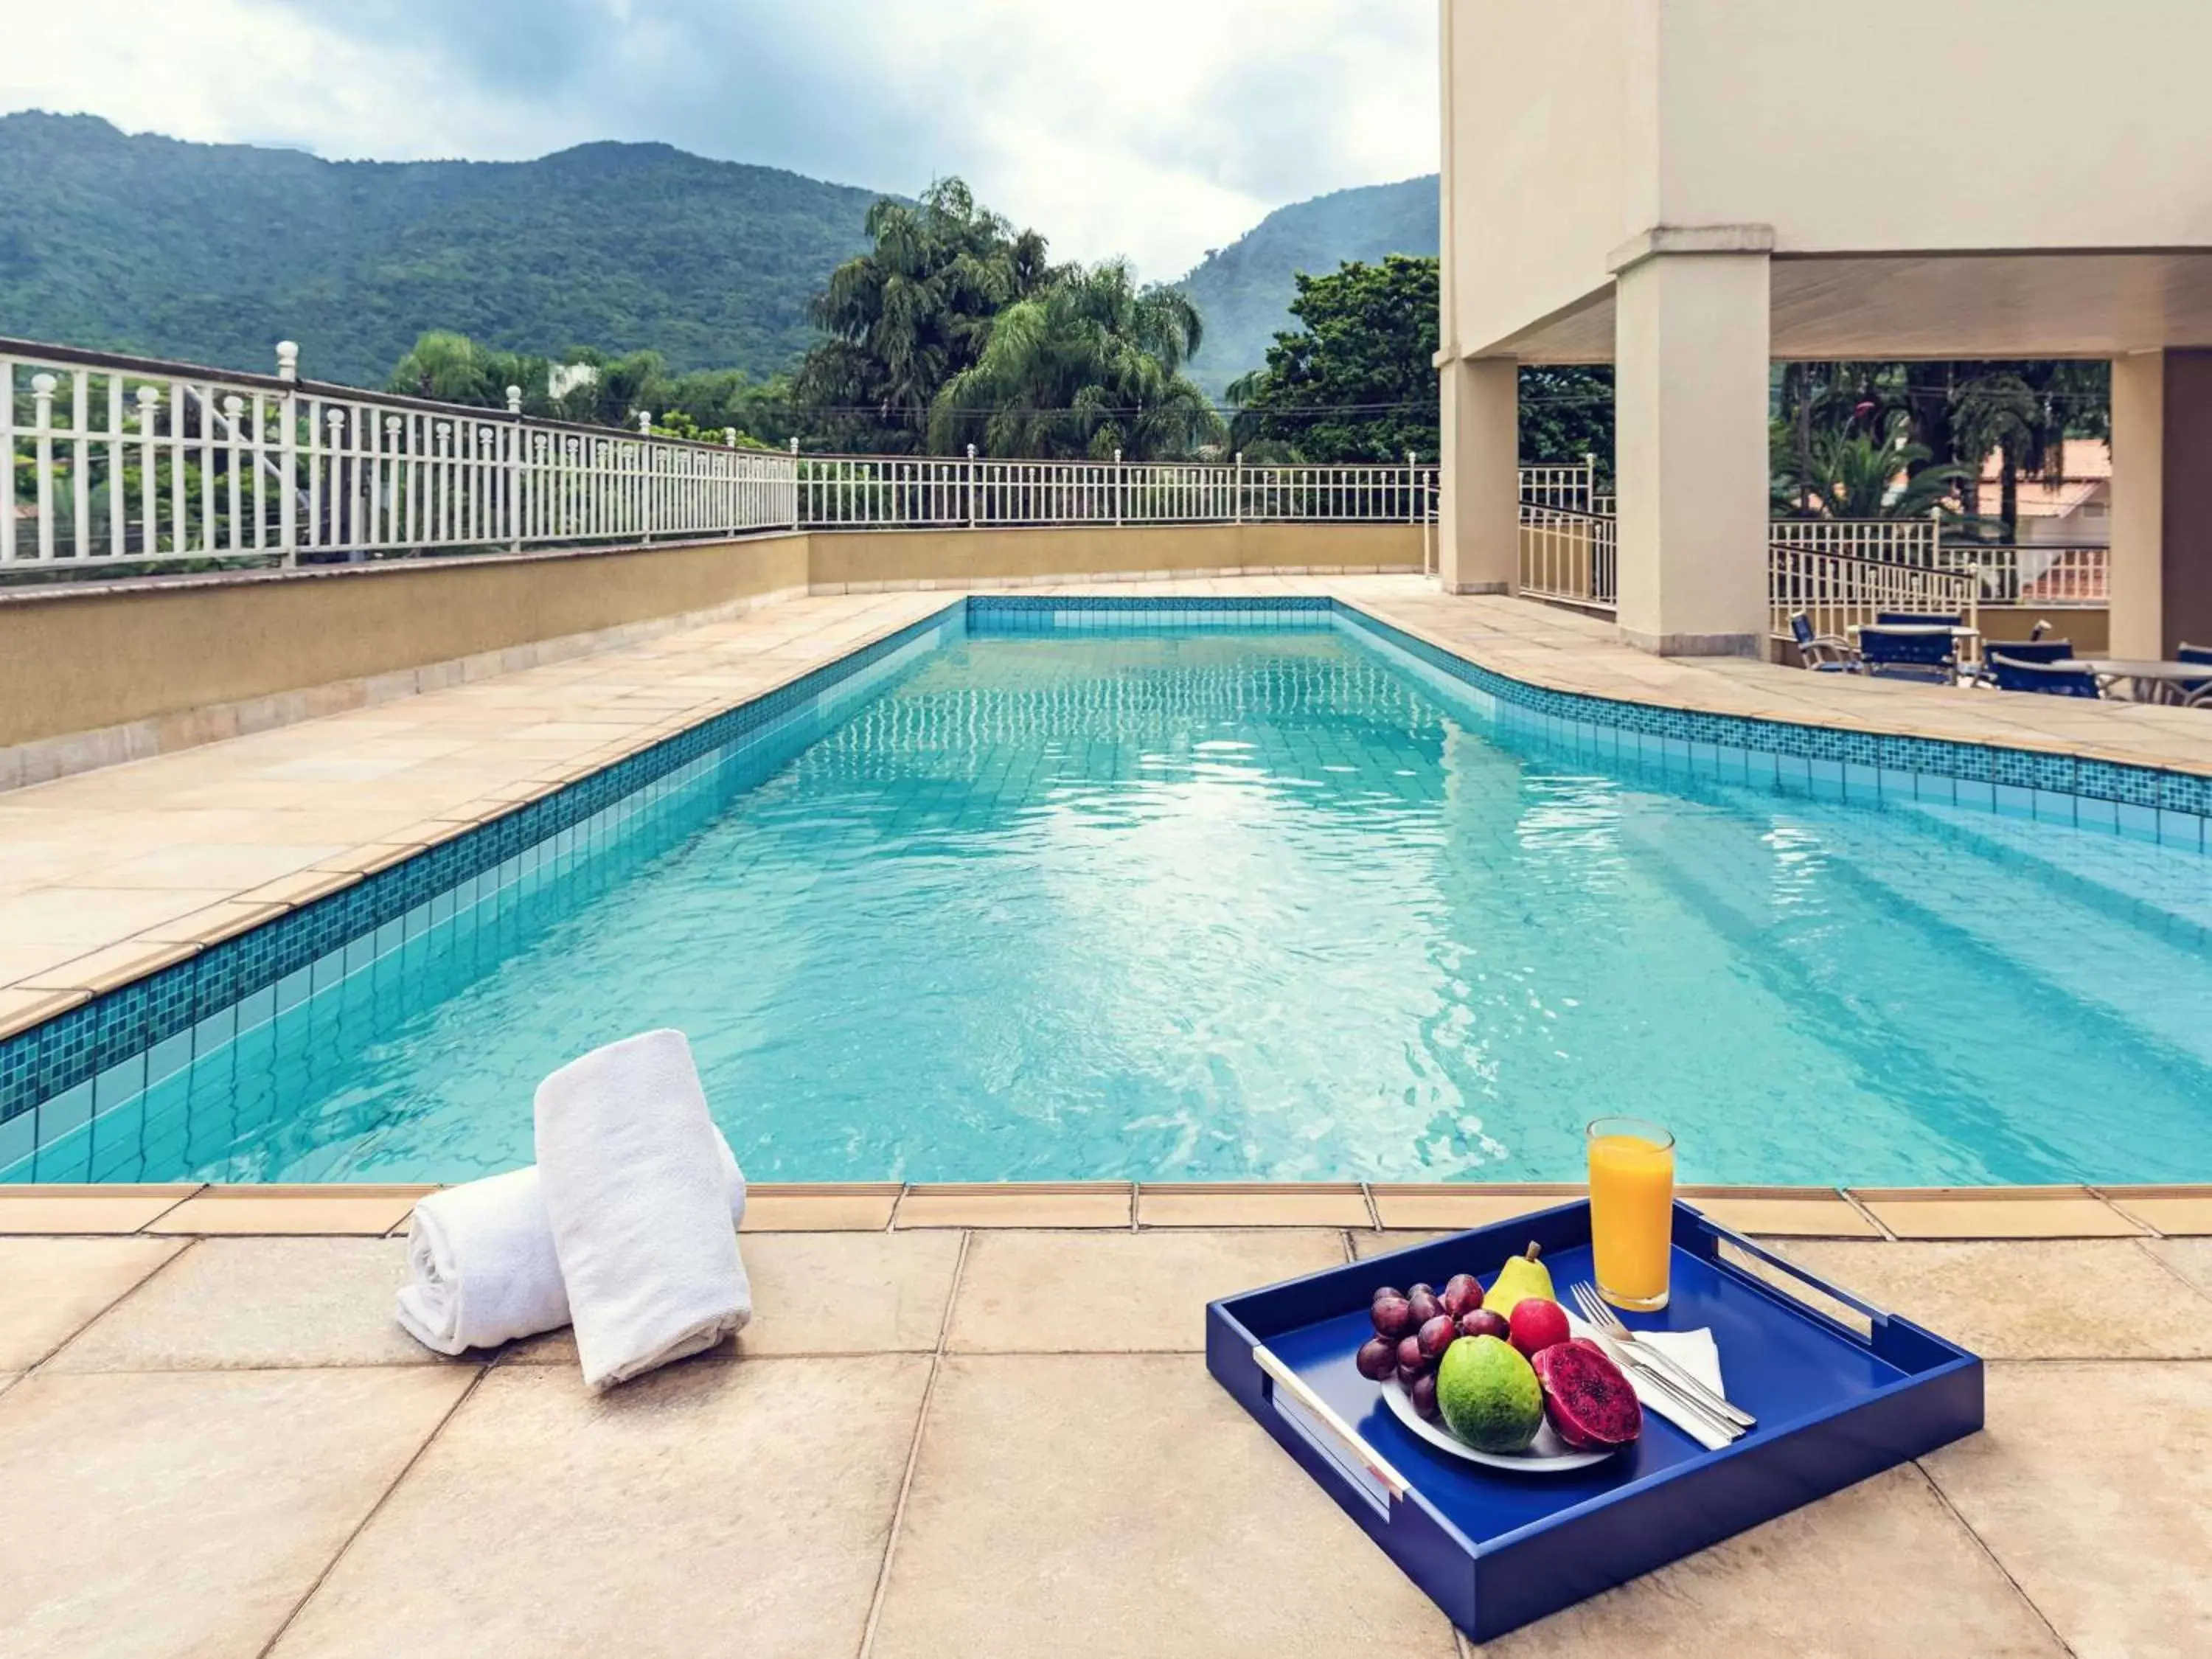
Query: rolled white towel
point(481, 1265)
point(640, 1219)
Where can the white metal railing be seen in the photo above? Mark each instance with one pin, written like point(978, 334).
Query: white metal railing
point(1891, 541)
point(2028, 574)
point(1838, 591)
point(1570, 488)
point(1570, 555)
point(849, 492)
point(123, 460)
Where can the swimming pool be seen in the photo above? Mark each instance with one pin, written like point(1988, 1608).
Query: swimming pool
point(1050, 892)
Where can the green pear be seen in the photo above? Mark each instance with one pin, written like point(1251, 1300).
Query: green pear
point(1522, 1276)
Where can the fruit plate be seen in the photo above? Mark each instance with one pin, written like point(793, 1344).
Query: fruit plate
point(1547, 1455)
point(1841, 1391)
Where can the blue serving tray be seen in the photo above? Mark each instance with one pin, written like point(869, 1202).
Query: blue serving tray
point(1495, 1549)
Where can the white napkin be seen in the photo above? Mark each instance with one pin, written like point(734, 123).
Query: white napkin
point(1696, 1353)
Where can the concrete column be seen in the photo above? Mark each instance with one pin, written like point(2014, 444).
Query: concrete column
point(2185, 568)
point(1479, 530)
point(1690, 428)
point(2138, 517)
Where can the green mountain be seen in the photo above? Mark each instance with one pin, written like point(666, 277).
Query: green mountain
point(1243, 291)
point(213, 253)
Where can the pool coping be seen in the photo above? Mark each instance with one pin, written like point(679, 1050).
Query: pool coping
point(137, 1002)
point(1885, 1214)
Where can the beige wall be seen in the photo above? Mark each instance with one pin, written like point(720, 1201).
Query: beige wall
point(95, 657)
point(140, 663)
point(956, 557)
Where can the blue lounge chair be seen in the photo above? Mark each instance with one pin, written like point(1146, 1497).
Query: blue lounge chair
point(1823, 653)
point(2015, 674)
point(1895, 653)
point(1917, 619)
point(2037, 650)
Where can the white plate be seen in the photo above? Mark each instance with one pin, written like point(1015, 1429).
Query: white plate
point(1547, 1455)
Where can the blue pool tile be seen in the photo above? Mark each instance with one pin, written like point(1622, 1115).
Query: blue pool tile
point(2184, 829)
point(2094, 814)
point(2137, 821)
point(1977, 793)
point(19, 1138)
point(2016, 800)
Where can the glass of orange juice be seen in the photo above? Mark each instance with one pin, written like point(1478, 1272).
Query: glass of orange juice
point(1631, 1192)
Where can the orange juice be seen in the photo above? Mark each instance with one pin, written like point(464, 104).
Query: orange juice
point(1631, 1188)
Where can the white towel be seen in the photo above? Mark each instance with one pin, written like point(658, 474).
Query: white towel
point(481, 1265)
point(640, 1214)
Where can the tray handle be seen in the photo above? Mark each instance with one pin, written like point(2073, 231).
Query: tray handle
point(1729, 1235)
point(1325, 1416)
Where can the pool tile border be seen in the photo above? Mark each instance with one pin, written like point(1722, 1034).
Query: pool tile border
point(52, 1063)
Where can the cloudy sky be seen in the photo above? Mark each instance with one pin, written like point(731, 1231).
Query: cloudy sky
point(1151, 127)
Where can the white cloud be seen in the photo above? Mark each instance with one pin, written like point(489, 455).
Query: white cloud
point(1152, 128)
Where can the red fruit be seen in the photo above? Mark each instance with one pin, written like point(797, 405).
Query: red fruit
point(1436, 1336)
point(1483, 1322)
point(1408, 1376)
point(1393, 1317)
point(1381, 1291)
point(1537, 1325)
point(1424, 1397)
point(1376, 1358)
point(1586, 1398)
point(1409, 1354)
point(1425, 1304)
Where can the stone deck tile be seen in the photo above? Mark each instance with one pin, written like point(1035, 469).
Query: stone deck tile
point(362, 1210)
point(1448, 1208)
point(2025, 1299)
point(1252, 1204)
point(708, 1508)
point(1017, 1204)
point(113, 1208)
point(1781, 1211)
point(257, 1304)
point(53, 1288)
point(188, 1513)
point(1047, 1292)
point(2092, 1485)
point(826, 1294)
point(820, 1207)
point(1995, 1212)
point(1124, 1505)
point(2173, 1211)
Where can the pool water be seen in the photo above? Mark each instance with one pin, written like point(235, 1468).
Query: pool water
point(1225, 904)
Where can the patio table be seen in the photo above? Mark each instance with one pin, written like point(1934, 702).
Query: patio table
point(2148, 682)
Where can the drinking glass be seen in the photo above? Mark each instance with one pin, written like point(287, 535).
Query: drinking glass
point(1632, 1192)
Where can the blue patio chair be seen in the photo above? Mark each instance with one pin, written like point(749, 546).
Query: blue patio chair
point(1917, 619)
point(1822, 653)
point(2037, 650)
point(1893, 653)
point(2197, 693)
point(2015, 674)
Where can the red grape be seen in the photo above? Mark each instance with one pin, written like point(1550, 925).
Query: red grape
point(1376, 1358)
point(1423, 1301)
point(1462, 1295)
point(1409, 1354)
point(1424, 1397)
point(1483, 1322)
point(1393, 1316)
point(1436, 1336)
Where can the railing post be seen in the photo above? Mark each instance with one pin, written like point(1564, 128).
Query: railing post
point(1236, 490)
point(42, 423)
point(798, 508)
point(971, 486)
point(1412, 490)
point(1119, 486)
point(515, 462)
point(288, 370)
point(646, 494)
point(1589, 481)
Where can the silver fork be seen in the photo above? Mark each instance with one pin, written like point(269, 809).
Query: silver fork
point(1596, 1309)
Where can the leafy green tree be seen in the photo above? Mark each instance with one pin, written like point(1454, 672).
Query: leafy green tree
point(1357, 382)
point(1085, 364)
point(905, 318)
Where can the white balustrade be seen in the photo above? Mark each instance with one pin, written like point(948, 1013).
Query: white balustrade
point(1838, 591)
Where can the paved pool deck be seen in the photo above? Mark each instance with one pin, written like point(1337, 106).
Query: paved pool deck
point(993, 1437)
point(110, 875)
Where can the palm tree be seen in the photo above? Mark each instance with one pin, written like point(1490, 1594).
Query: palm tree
point(1087, 365)
point(915, 310)
point(1855, 471)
